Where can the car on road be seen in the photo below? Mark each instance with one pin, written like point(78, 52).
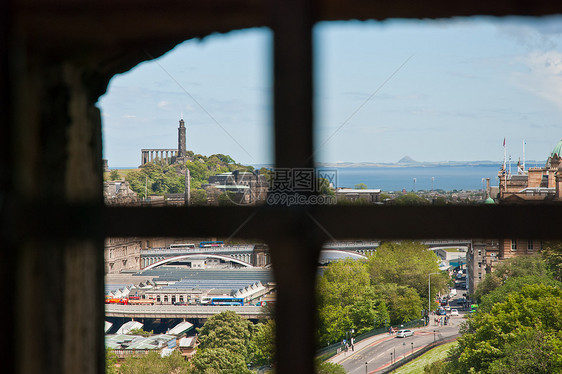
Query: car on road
point(404, 333)
point(454, 312)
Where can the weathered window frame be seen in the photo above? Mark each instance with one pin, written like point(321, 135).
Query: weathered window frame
point(43, 226)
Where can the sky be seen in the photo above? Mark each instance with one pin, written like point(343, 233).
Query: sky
point(446, 90)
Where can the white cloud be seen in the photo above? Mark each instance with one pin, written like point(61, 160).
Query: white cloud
point(544, 77)
point(163, 104)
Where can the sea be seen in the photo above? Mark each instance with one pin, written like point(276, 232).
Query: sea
point(415, 178)
point(390, 178)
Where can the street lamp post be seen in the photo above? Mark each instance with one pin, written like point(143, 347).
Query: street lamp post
point(429, 296)
point(366, 371)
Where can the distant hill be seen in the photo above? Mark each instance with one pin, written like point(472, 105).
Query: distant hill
point(407, 160)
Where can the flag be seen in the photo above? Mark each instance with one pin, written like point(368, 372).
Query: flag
point(504, 142)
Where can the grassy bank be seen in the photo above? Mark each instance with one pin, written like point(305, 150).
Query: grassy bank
point(417, 365)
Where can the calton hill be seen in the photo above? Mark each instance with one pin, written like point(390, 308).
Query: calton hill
point(157, 178)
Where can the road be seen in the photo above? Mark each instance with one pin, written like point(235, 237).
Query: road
point(377, 351)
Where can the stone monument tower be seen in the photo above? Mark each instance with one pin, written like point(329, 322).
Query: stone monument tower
point(181, 140)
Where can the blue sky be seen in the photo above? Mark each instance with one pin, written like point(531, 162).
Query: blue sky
point(432, 90)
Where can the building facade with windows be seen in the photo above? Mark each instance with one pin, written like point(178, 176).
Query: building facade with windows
point(122, 254)
point(535, 185)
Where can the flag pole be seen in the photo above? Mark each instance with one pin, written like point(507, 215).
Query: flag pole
point(504, 155)
point(524, 155)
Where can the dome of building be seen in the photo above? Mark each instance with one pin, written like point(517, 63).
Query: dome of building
point(557, 150)
point(489, 200)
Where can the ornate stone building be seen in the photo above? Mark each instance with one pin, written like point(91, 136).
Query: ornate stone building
point(122, 254)
point(532, 186)
point(538, 184)
point(119, 193)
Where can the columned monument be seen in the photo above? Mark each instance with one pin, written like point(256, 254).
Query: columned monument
point(170, 156)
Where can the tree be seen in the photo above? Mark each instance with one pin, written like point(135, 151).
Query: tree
point(513, 284)
point(227, 199)
point(407, 264)
point(198, 197)
point(404, 303)
point(521, 266)
point(384, 196)
point(159, 178)
point(140, 332)
point(225, 158)
point(347, 301)
point(531, 351)
point(219, 360)
point(110, 361)
point(114, 175)
point(526, 320)
point(324, 187)
point(262, 344)
point(361, 186)
point(153, 363)
point(552, 253)
point(410, 198)
point(226, 330)
point(343, 282)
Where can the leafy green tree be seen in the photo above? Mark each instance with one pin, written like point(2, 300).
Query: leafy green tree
point(225, 158)
point(141, 332)
point(344, 282)
point(521, 266)
point(114, 175)
point(226, 199)
point(404, 303)
point(153, 363)
point(513, 284)
point(410, 198)
point(267, 173)
point(198, 197)
point(159, 178)
point(531, 351)
point(369, 312)
point(359, 201)
point(527, 319)
point(439, 201)
point(346, 300)
point(219, 360)
point(324, 187)
point(384, 196)
point(552, 253)
point(110, 361)
point(408, 264)
point(226, 330)
point(361, 186)
point(262, 344)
